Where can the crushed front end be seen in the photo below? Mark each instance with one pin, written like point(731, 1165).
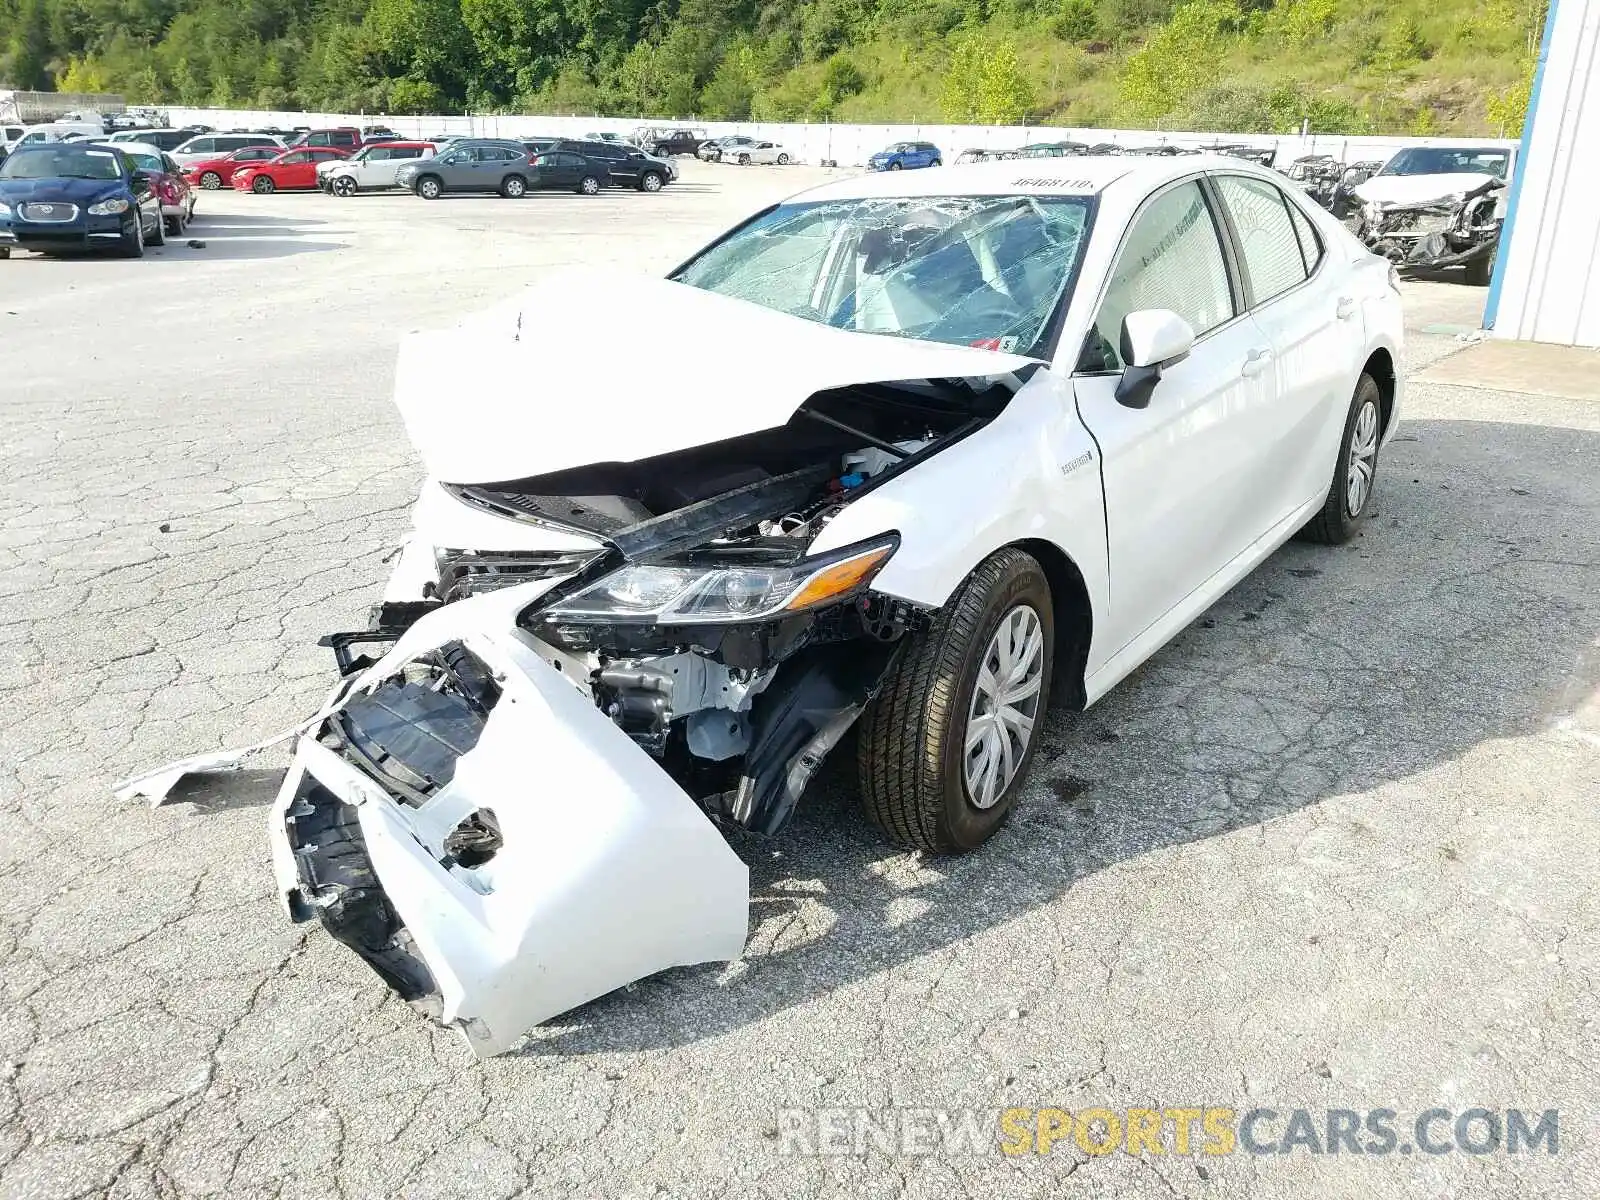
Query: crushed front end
point(1459, 230)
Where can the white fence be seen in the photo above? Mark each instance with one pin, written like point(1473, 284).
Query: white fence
point(848, 145)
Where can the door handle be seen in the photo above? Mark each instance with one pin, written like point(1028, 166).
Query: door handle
point(1256, 362)
point(1346, 309)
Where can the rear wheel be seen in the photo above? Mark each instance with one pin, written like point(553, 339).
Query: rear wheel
point(211, 181)
point(650, 181)
point(588, 185)
point(513, 187)
point(945, 746)
point(262, 185)
point(429, 187)
point(1356, 473)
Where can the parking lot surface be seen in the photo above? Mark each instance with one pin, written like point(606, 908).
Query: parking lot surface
point(1334, 847)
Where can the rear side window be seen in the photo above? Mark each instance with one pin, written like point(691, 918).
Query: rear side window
point(1172, 259)
point(201, 146)
point(1310, 240)
point(1267, 235)
point(344, 138)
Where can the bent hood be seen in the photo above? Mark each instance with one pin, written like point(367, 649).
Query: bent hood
point(589, 367)
point(1419, 189)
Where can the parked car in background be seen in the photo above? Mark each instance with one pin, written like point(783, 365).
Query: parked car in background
point(293, 170)
point(468, 166)
point(219, 145)
point(714, 150)
point(1052, 150)
point(612, 139)
point(59, 131)
point(906, 156)
point(213, 173)
point(166, 177)
point(372, 167)
point(10, 135)
point(57, 197)
point(627, 166)
point(975, 155)
point(567, 170)
point(761, 152)
point(345, 137)
point(664, 143)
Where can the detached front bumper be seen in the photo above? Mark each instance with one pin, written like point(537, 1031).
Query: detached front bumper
point(497, 861)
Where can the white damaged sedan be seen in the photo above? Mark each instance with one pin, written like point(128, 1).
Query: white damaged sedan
point(1026, 423)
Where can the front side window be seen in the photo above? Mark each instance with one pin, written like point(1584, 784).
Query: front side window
point(1272, 255)
point(203, 146)
point(1172, 259)
point(966, 270)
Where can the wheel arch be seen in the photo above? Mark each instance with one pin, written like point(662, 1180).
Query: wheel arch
point(1074, 617)
point(1380, 365)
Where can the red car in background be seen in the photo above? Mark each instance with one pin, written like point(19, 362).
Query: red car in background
point(166, 180)
point(214, 173)
point(290, 170)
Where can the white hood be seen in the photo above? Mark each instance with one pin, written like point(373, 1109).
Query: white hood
point(589, 366)
point(1419, 189)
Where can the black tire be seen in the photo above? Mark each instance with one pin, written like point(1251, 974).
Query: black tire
point(133, 247)
point(513, 187)
point(911, 749)
point(159, 237)
point(5, 253)
point(211, 181)
point(894, 166)
point(744, 160)
point(344, 186)
point(1336, 524)
point(938, 162)
point(650, 181)
point(1479, 271)
point(430, 187)
point(262, 185)
point(783, 160)
point(588, 186)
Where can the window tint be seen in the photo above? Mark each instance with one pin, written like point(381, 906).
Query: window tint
point(1310, 242)
point(299, 156)
point(201, 146)
point(403, 152)
point(345, 139)
point(1172, 259)
point(1266, 235)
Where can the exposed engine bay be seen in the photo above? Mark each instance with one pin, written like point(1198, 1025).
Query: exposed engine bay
point(697, 623)
point(1458, 231)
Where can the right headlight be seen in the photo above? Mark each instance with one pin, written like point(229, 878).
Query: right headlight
point(108, 208)
point(724, 591)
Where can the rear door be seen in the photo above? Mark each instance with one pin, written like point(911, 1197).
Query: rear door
point(1315, 331)
point(1179, 475)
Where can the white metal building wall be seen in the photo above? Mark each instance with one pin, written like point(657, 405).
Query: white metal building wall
point(1544, 287)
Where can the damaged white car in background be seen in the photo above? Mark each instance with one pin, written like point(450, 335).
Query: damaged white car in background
point(974, 444)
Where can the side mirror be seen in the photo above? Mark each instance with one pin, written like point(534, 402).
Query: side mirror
point(1152, 340)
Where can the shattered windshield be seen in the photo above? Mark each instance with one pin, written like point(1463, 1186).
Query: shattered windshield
point(1448, 160)
point(968, 270)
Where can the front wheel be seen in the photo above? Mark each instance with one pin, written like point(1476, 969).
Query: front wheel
point(1479, 270)
point(650, 181)
point(936, 163)
point(132, 245)
point(429, 188)
point(945, 746)
point(894, 166)
point(588, 186)
point(744, 160)
point(1355, 474)
point(344, 186)
point(211, 181)
point(262, 185)
point(158, 231)
point(783, 160)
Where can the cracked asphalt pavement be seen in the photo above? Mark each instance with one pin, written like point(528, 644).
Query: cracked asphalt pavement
point(1333, 847)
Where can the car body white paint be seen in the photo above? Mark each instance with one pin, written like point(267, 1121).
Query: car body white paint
point(1420, 189)
point(368, 174)
point(1160, 509)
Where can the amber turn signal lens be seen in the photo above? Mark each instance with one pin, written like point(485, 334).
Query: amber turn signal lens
point(838, 579)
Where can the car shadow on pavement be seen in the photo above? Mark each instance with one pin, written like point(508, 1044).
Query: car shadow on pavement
point(1464, 613)
point(250, 788)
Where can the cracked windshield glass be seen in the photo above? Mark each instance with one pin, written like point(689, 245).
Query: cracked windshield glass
point(969, 270)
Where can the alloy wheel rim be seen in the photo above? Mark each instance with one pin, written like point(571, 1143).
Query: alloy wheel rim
point(1005, 705)
point(1363, 463)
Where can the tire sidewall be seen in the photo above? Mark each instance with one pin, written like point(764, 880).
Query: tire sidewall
point(429, 185)
point(1366, 390)
point(961, 822)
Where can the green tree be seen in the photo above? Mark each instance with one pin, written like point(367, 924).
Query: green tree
point(1180, 59)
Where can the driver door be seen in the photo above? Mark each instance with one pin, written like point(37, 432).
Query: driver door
point(1180, 476)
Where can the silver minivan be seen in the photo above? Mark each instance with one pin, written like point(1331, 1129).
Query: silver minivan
point(219, 145)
